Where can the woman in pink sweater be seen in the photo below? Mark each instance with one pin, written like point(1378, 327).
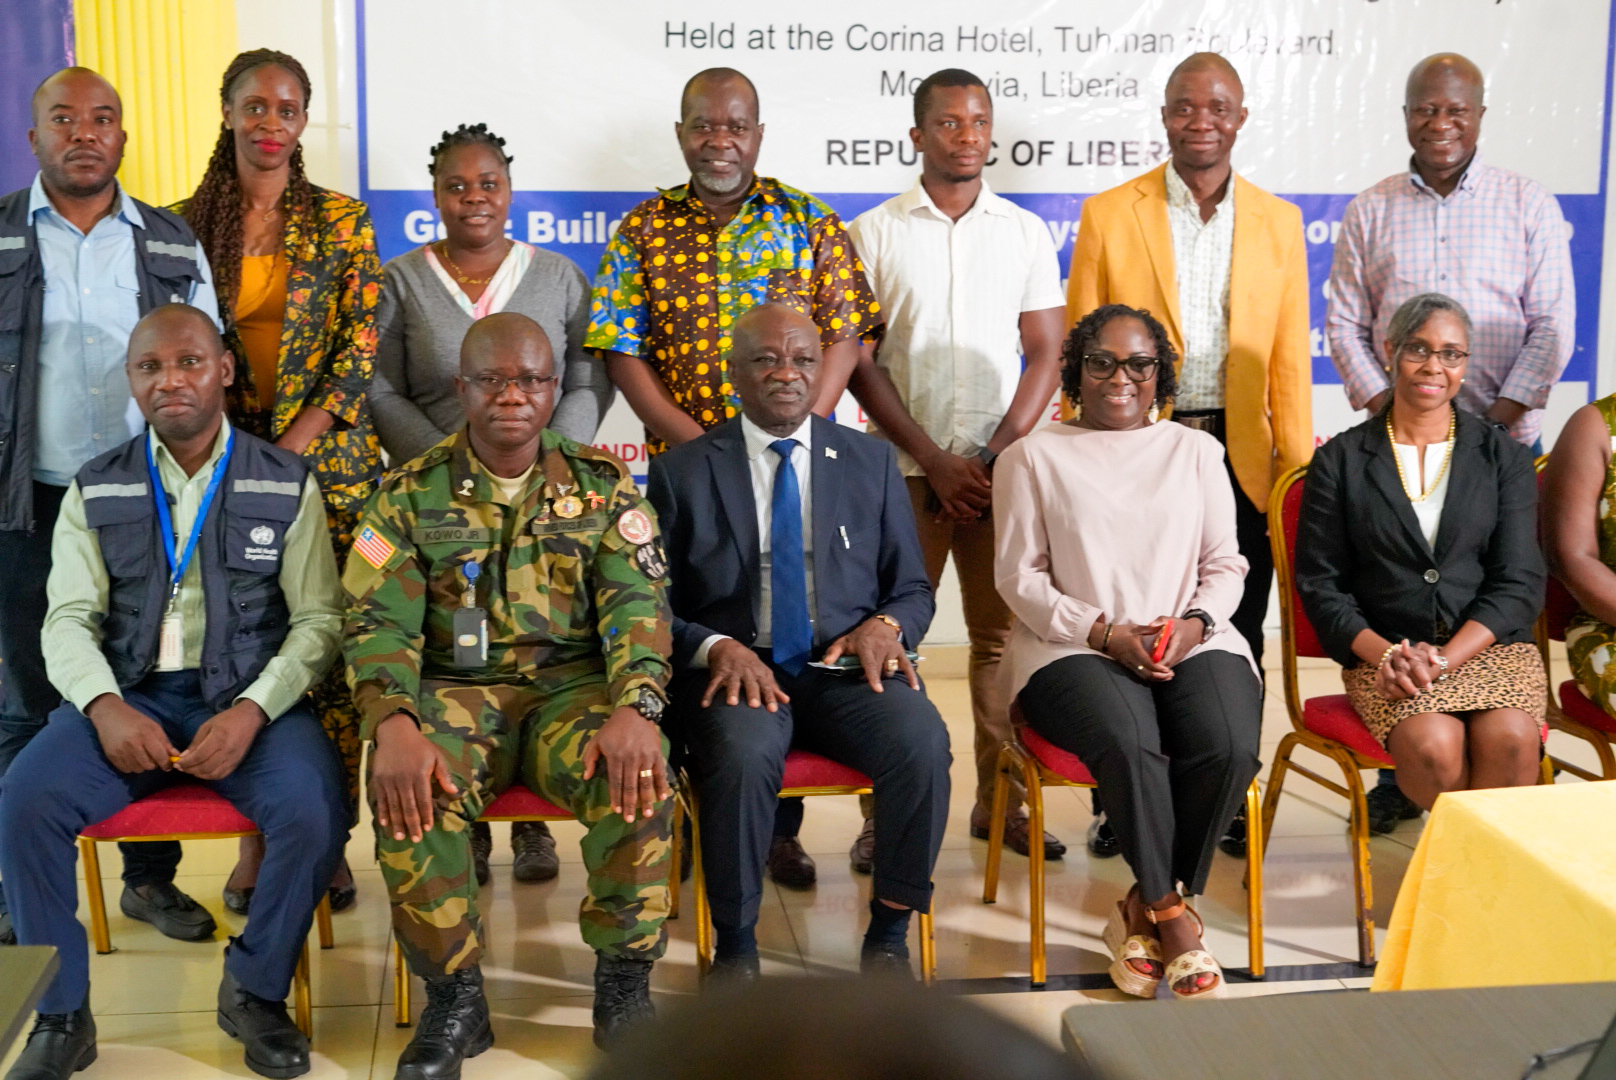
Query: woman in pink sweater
point(1112, 528)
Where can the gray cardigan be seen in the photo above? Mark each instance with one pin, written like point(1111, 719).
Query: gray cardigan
point(421, 327)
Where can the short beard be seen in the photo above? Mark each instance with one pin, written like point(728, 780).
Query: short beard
point(75, 190)
point(719, 186)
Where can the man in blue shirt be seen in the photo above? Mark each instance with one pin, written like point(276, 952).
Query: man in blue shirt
point(80, 262)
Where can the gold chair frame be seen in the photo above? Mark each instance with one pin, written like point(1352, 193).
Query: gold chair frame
point(1350, 761)
point(101, 930)
point(704, 915)
point(401, 971)
point(1016, 759)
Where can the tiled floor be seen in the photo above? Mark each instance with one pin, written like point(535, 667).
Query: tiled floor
point(154, 997)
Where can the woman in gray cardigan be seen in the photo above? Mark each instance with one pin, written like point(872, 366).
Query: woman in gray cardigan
point(432, 295)
point(430, 298)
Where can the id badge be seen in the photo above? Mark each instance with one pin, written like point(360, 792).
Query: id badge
point(470, 637)
point(171, 643)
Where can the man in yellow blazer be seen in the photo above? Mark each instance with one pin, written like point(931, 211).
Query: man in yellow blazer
point(1223, 265)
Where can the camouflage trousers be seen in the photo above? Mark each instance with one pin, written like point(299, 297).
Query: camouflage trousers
point(534, 733)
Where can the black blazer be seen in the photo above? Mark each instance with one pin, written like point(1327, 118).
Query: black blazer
point(1362, 561)
point(702, 492)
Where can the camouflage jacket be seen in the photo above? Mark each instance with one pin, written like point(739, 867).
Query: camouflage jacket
point(572, 577)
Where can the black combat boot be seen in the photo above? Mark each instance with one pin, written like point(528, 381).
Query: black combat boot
point(60, 1045)
point(454, 1026)
point(274, 1046)
point(622, 996)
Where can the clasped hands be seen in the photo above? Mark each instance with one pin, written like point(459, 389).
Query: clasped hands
point(737, 671)
point(1132, 645)
point(963, 486)
point(406, 764)
point(1408, 670)
point(136, 743)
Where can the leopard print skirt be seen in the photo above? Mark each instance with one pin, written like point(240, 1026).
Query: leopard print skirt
point(1498, 677)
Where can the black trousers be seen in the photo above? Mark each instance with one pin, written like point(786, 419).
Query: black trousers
point(737, 758)
point(1172, 759)
point(27, 697)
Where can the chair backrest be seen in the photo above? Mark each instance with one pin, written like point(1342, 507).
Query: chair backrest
point(1284, 520)
point(1559, 606)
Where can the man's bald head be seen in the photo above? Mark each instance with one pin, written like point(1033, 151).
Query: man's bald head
point(507, 334)
point(172, 320)
point(57, 83)
point(717, 76)
point(1444, 68)
point(1204, 62)
point(774, 363)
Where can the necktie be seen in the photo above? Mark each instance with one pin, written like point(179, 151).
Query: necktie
point(789, 624)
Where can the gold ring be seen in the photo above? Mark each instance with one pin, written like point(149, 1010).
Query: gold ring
point(892, 665)
point(647, 773)
point(1141, 667)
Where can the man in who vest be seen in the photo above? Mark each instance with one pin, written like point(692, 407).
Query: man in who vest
point(194, 600)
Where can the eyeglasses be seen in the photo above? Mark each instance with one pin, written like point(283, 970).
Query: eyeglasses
point(1420, 352)
point(1103, 365)
point(494, 385)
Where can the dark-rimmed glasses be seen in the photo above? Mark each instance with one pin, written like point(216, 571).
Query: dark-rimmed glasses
point(494, 385)
point(1420, 352)
point(1103, 365)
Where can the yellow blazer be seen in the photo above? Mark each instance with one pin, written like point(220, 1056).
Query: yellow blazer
point(1124, 255)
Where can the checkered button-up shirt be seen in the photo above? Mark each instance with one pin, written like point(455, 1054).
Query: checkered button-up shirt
point(1497, 244)
point(1202, 252)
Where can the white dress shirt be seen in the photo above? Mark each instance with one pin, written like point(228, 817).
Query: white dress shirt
point(1202, 253)
point(762, 463)
point(952, 293)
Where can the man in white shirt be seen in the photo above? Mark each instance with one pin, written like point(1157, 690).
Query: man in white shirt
point(968, 282)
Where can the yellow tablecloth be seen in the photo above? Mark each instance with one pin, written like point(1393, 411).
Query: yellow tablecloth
point(1508, 887)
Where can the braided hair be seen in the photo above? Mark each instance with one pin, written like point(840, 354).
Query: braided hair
point(466, 135)
point(214, 211)
point(1087, 332)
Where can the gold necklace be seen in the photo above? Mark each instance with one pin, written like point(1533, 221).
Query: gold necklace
point(459, 275)
point(1391, 436)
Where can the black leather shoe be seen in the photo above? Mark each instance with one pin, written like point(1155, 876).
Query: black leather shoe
point(1234, 837)
point(454, 1026)
point(60, 1045)
point(862, 856)
point(622, 997)
point(1102, 839)
point(1017, 833)
point(482, 846)
point(1387, 806)
point(274, 1046)
point(789, 865)
point(238, 900)
point(885, 962)
point(168, 909)
point(734, 969)
point(535, 851)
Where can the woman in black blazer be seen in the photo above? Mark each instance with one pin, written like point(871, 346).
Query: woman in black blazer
point(1418, 565)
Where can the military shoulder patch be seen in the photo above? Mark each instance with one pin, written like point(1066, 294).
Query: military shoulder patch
point(652, 561)
point(635, 526)
point(373, 547)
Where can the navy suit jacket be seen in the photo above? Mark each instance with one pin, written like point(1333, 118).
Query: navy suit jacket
point(702, 492)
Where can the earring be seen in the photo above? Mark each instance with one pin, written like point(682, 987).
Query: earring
point(1077, 409)
point(1155, 412)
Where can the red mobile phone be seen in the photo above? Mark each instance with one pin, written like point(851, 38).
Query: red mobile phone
point(1162, 639)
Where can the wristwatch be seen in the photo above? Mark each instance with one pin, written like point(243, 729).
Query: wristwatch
point(986, 457)
point(894, 623)
point(1206, 620)
point(649, 704)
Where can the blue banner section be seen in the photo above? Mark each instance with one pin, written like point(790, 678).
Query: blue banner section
point(36, 39)
point(578, 224)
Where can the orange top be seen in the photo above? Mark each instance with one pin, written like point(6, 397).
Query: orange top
point(260, 310)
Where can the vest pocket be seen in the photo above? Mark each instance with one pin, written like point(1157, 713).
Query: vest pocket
point(255, 531)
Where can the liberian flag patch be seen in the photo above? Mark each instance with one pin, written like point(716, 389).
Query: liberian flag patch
point(375, 549)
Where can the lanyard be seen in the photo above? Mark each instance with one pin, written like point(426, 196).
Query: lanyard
point(165, 518)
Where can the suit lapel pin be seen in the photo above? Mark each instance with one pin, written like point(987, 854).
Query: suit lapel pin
point(830, 453)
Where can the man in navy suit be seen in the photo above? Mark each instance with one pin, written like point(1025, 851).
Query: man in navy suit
point(791, 540)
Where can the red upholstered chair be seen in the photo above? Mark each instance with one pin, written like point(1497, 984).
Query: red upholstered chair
point(518, 803)
point(1040, 764)
point(1328, 725)
point(186, 811)
point(806, 774)
point(1575, 714)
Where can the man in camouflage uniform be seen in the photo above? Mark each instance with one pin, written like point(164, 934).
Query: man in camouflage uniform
point(508, 623)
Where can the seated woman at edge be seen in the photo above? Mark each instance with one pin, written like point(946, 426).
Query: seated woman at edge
point(1112, 526)
point(1417, 562)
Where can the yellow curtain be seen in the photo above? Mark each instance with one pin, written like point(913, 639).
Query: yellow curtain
point(166, 58)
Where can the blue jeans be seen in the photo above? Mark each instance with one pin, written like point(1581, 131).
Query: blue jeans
point(290, 783)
